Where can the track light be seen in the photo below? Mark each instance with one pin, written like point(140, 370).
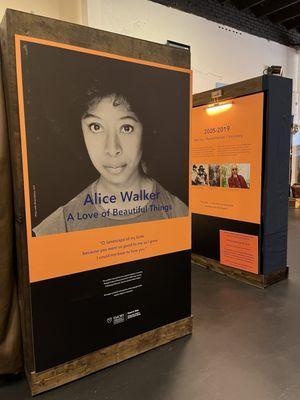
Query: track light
point(218, 108)
point(273, 70)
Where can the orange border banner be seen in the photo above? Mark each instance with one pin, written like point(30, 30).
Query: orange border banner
point(228, 138)
point(63, 254)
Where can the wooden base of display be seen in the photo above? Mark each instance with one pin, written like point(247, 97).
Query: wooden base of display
point(42, 381)
point(261, 281)
point(294, 202)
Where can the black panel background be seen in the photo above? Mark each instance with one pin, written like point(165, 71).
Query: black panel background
point(206, 236)
point(70, 313)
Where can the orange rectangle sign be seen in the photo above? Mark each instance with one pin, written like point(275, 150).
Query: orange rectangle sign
point(239, 250)
point(226, 159)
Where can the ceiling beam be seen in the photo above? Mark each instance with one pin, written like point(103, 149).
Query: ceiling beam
point(244, 4)
point(292, 23)
point(273, 6)
point(286, 14)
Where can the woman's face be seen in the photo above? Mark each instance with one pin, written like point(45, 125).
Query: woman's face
point(234, 171)
point(113, 137)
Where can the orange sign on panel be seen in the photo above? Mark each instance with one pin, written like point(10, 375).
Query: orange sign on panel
point(239, 250)
point(226, 159)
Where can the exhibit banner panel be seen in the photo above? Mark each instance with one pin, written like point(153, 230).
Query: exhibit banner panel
point(94, 151)
point(239, 179)
point(106, 234)
point(226, 158)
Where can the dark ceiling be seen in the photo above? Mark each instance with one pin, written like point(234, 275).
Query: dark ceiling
point(277, 20)
point(285, 12)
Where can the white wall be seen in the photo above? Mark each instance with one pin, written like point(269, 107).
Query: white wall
point(218, 55)
point(67, 10)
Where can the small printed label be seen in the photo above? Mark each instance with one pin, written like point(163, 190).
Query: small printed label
point(121, 318)
point(133, 314)
point(118, 319)
point(239, 250)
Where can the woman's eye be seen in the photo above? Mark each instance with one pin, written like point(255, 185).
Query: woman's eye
point(126, 128)
point(95, 127)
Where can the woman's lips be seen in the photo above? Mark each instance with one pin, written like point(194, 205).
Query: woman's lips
point(115, 169)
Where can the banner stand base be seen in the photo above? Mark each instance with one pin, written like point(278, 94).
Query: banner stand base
point(260, 281)
point(59, 375)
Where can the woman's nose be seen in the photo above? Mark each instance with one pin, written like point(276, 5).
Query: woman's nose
point(112, 144)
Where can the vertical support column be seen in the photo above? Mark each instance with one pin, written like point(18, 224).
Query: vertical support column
point(276, 172)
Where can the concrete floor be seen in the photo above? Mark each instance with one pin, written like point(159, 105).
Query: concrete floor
point(245, 346)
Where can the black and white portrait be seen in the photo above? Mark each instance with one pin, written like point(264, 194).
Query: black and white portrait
point(107, 140)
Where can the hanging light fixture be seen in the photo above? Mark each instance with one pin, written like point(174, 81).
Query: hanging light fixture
point(218, 108)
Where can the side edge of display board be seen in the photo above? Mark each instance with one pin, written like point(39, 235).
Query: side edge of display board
point(275, 192)
point(43, 36)
point(10, 92)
